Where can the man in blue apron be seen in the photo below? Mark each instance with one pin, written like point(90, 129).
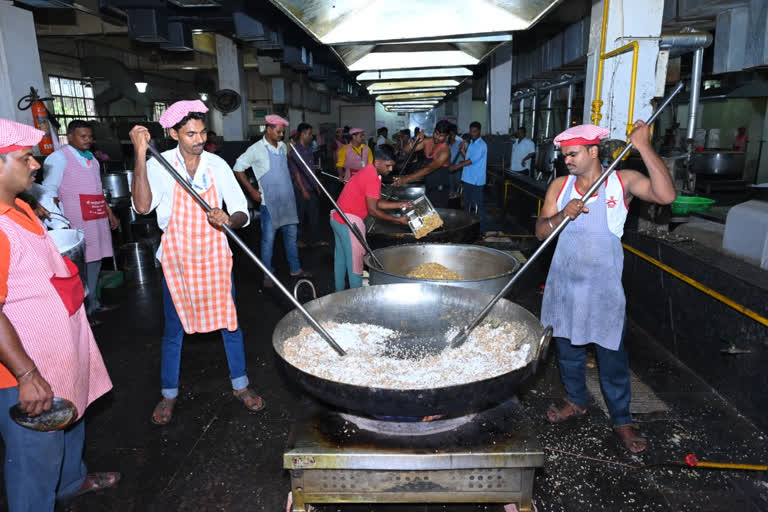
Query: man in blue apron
point(584, 300)
point(268, 158)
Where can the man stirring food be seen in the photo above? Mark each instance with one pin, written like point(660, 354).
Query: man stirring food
point(361, 197)
point(198, 292)
point(583, 299)
point(436, 172)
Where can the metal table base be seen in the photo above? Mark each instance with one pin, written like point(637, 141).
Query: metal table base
point(491, 459)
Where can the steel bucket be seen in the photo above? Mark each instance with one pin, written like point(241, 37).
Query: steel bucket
point(422, 312)
point(71, 243)
point(482, 268)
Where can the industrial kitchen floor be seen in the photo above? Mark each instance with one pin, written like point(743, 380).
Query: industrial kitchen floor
point(215, 455)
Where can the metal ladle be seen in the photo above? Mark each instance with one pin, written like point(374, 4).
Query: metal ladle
point(461, 337)
point(352, 225)
point(231, 234)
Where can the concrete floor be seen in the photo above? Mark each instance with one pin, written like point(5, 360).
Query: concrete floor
point(216, 455)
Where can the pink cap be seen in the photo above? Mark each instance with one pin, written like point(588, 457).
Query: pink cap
point(15, 136)
point(179, 111)
point(356, 130)
point(276, 120)
point(582, 135)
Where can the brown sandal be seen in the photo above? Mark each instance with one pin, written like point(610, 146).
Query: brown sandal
point(566, 411)
point(163, 412)
point(250, 399)
point(96, 482)
point(630, 436)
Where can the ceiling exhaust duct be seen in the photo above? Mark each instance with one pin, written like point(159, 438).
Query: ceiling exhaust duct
point(179, 38)
point(147, 25)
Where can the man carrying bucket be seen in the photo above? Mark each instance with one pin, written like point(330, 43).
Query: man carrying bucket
point(41, 359)
point(198, 291)
point(583, 299)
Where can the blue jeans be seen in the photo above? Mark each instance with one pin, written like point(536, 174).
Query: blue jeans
point(614, 377)
point(342, 258)
point(473, 195)
point(173, 335)
point(308, 211)
point(290, 233)
point(40, 467)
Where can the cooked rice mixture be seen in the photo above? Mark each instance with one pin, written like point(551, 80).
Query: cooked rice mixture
point(491, 350)
point(430, 223)
point(433, 271)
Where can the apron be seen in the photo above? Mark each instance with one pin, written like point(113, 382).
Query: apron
point(197, 264)
point(358, 251)
point(437, 183)
point(277, 187)
point(584, 299)
point(62, 345)
point(82, 199)
point(353, 162)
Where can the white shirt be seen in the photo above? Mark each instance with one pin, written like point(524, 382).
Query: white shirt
point(381, 140)
point(521, 149)
point(211, 168)
point(55, 164)
point(616, 207)
point(257, 158)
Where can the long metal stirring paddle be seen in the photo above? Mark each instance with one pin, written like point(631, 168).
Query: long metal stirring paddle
point(231, 234)
point(461, 337)
point(352, 225)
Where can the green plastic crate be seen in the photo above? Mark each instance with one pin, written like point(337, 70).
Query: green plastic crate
point(684, 205)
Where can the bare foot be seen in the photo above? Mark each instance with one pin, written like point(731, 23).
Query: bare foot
point(631, 437)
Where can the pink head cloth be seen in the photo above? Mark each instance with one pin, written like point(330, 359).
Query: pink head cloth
point(356, 130)
point(15, 136)
point(179, 111)
point(583, 134)
point(276, 120)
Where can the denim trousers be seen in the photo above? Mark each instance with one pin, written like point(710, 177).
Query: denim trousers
point(342, 258)
point(473, 195)
point(308, 211)
point(173, 335)
point(40, 467)
point(290, 234)
point(614, 377)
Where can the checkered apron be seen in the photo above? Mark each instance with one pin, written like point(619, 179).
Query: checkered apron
point(197, 265)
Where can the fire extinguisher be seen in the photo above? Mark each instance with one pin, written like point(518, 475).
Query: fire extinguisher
point(40, 117)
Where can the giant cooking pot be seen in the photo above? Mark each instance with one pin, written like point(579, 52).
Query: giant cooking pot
point(406, 193)
point(718, 162)
point(71, 243)
point(458, 226)
point(481, 268)
point(423, 313)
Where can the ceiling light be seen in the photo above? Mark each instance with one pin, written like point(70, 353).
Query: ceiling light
point(141, 87)
point(413, 74)
point(189, 67)
point(401, 60)
point(400, 91)
point(410, 96)
point(203, 96)
point(383, 86)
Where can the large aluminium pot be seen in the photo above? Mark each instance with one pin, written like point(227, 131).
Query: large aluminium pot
point(423, 313)
point(718, 162)
point(115, 185)
point(481, 268)
point(71, 243)
point(458, 226)
point(406, 193)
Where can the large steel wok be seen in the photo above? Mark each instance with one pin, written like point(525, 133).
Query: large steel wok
point(423, 313)
point(458, 226)
point(481, 268)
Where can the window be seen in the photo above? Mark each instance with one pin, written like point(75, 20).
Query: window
point(72, 99)
point(157, 110)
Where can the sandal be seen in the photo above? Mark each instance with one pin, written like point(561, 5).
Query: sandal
point(630, 436)
point(96, 482)
point(250, 399)
point(163, 411)
point(566, 411)
point(321, 243)
point(303, 274)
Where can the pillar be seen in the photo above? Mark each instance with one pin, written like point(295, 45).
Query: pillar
point(627, 21)
point(20, 66)
point(500, 90)
point(464, 107)
point(234, 126)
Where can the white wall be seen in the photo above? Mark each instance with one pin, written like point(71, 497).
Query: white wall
point(480, 114)
point(392, 120)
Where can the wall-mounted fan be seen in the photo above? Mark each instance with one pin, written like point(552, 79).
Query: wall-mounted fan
point(226, 101)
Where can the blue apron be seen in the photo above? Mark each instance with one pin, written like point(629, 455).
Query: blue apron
point(277, 187)
point(584, 299)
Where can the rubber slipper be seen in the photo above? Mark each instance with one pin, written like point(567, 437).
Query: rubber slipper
point(303, 274)
point(96, 482)
point(559, 414)
point(247, 395)
point(163, 410)
point(630, 436)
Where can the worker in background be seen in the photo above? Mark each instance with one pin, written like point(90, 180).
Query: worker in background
point(198, 289)
point(305, 189)
point(73, 177)
point(338, 143)
point(354, 156)
point(361, 197)
point(473, 173)
point(523, 151)
point(436, 172)
point(47, 348)
point(381, 136)
point(583, 299)
point(268, 158)
point(455, 144)
point(211, 145)
point(741, 140)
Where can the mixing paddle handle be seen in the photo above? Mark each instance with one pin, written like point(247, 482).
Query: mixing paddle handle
point(231, 234)
point(461, 337)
